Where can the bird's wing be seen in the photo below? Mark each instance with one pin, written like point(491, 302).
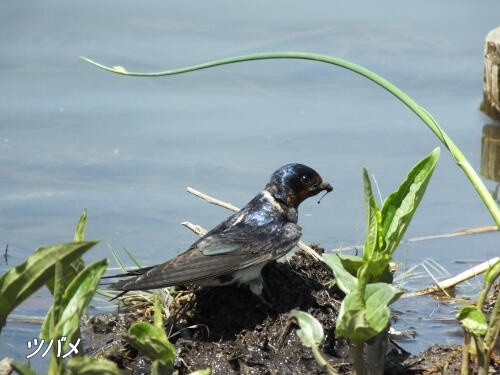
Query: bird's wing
point(215, 255)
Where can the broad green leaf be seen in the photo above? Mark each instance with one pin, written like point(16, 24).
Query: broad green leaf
point(311, 331)
point(473, 320)
point(91, 366)
point(19, 282)
point(492, 273)
point(345, 281)
point(74, 302)
point(151, 341)
point(379, 270)
point(372, 219)
point(378, 297)
point(351, 263)
point(399, 207)
point(352, 322)
point(360, 318)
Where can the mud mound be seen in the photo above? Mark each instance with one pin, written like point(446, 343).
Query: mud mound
point(231, 331)
point(238, 333)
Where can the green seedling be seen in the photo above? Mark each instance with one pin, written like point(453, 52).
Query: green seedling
point(477, 327)
point(311, 335)
point(151, 340)
point(21, 281)
point(73, 285)
point(366, 280)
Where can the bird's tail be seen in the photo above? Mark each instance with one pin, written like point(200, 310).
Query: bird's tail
point(118, 285)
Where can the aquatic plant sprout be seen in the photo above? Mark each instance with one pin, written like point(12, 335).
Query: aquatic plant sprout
point(457, 155)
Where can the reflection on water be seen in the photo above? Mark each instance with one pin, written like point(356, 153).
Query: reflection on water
point(490, 155)
point(74, 137)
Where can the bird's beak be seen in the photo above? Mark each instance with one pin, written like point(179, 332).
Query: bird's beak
point(325, 186)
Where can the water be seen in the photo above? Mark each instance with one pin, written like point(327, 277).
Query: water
point(75, 137)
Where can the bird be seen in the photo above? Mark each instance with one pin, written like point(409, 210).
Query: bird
point(236, 250)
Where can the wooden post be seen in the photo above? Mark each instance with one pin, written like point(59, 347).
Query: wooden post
point(491, 87)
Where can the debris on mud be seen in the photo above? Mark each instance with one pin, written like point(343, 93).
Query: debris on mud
point(231, 331)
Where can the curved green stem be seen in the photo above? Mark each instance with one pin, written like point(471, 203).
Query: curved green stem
point(322, 362)
point(460, 159)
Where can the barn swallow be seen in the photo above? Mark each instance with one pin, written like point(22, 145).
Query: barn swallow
point(236, 250)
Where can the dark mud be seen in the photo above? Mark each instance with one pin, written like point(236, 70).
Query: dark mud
point(231, 331)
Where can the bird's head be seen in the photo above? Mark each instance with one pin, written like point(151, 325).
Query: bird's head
point(293, 183)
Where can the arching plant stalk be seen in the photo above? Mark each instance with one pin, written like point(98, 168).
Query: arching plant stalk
point(457, 155)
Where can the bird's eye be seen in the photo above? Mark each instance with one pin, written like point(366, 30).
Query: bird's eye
point(305, 179)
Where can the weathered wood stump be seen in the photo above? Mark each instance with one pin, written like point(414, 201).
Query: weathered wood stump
point(491, 87)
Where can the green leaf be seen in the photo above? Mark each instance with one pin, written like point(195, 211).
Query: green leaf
point(19, 282)
point(473, 320)
point(79, 235)
point(151, 341)
point(492, 273)
point(118, 260)
point(21, 368)
point(311, 331)
point(352, 322)
point(91, 366)
point(379, 269)
point(132, 257)
point(70, 271)
point(351, 263)
point(378, 297)
point(345, 281)
point(373, 219)
point(399, 207)
point(206, 371)
point(158, 317)
point(74, 302)
point(160, 368)
point(363, 317)
point(54, 315)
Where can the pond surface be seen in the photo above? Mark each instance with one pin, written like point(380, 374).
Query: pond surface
point(75, 137)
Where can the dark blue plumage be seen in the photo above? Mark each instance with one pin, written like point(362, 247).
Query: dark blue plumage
point(237, 249)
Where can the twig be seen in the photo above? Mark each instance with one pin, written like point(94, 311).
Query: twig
point(284, 333)
point(448, 283)
point(460, 232)
point(200, 231)
point(212, 200)
point(197, 229)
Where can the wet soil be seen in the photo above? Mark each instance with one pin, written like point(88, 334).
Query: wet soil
point(231, 331)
